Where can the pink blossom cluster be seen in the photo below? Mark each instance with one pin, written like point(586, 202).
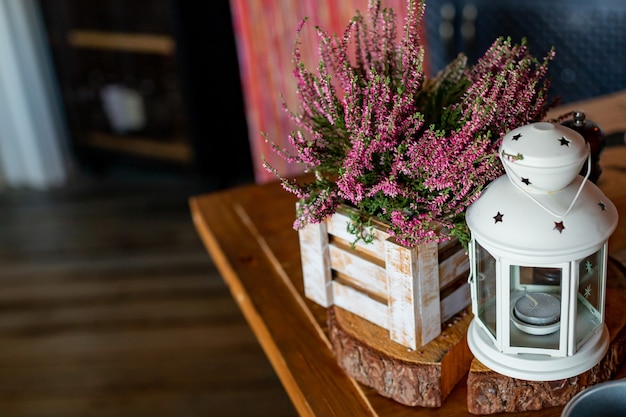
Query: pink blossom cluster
point(381, 136)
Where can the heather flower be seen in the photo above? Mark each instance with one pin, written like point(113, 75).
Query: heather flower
point(410, 150)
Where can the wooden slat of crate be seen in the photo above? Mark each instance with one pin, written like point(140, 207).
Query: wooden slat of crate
point(360, 272)
point(453, 267)
point(316, 264)
point(359, 303)
point(450, 305)
point(413, 297)
point(337, 226)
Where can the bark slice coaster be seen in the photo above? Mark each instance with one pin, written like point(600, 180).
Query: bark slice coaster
point(422, 377)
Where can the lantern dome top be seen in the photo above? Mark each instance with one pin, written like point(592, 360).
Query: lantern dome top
point(548, 227)
point(543, 156)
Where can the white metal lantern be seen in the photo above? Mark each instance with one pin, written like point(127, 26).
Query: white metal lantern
point(538, 259)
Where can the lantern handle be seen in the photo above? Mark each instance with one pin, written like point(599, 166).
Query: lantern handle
point(580, 188)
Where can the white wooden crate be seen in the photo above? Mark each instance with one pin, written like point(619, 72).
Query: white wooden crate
point(410, 292)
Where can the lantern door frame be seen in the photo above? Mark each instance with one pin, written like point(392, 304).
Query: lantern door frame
point(506, 314)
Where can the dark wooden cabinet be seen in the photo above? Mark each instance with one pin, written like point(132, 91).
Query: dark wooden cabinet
point(136, 87)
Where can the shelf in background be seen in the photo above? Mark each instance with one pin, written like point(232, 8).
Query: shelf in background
point(171, 150)
point(119, 41)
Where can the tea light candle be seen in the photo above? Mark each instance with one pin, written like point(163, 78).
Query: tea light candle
point(538, 308)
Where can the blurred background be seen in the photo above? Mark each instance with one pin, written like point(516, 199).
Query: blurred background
point(113, 113)
point(190, 86)
point(152, 85)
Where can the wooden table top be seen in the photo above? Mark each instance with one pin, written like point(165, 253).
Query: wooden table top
point(248, 232)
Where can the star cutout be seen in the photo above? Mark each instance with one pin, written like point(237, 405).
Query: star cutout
point(564, 142)
point(602, 206)
point(498, 217)
point(516, 137)
point(588, 266)
point(526, 181)
point(587, 291)
point(559, 226)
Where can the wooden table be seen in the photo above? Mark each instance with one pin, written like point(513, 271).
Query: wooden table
point(248, 232)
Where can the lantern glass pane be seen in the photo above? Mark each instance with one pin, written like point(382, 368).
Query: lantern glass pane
point(535, 294)
point(590, 295)
point(486, 288)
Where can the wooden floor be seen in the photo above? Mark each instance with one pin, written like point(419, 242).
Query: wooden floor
point(110, 306)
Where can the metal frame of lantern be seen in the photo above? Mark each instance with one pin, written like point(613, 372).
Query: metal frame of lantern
point(538, 259)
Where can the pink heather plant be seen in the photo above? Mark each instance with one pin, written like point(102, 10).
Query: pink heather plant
point(411, 151)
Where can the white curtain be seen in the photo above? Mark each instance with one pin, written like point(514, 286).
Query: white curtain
point(33, 136)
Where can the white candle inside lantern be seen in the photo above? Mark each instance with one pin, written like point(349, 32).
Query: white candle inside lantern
point(538, 308)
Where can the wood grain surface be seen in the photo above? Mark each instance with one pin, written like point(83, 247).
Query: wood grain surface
point(111, 306)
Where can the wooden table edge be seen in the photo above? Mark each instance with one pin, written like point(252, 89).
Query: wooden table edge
point(264, 330)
